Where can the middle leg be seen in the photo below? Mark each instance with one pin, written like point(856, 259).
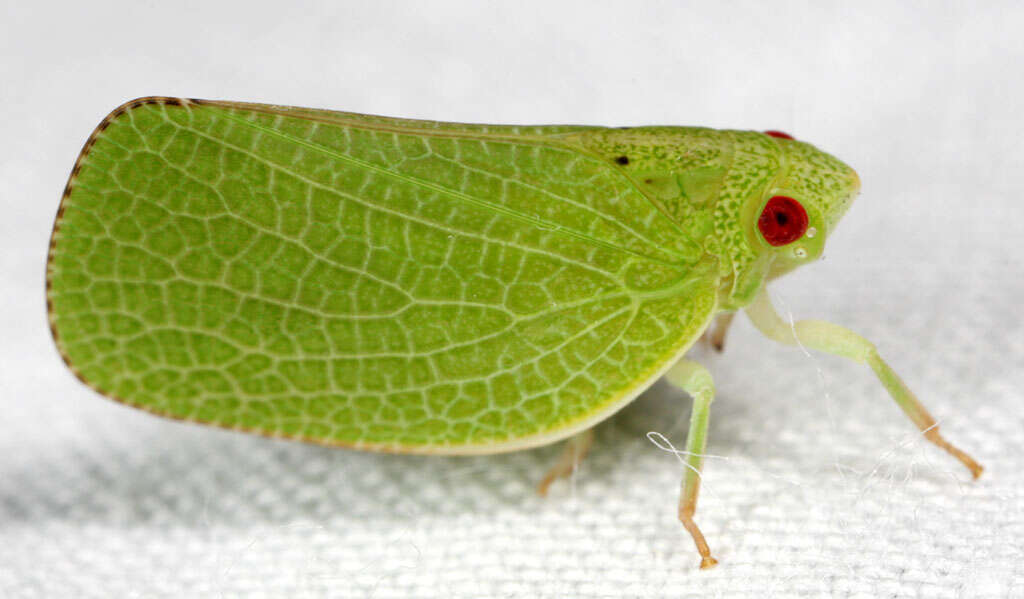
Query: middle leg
point(695, 380)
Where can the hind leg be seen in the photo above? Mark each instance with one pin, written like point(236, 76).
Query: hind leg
point(576, 448)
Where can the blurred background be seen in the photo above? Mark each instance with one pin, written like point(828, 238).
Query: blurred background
point(819, 486)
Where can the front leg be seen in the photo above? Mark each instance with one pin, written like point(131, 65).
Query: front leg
point(695, 380)
point(834, 339)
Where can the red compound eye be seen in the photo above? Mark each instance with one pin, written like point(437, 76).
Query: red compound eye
point(781, 134)
point(783, 221)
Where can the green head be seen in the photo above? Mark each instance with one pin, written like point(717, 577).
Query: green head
point(793, 197)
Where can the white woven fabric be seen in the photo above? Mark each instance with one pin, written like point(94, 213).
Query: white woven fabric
point(819, 486)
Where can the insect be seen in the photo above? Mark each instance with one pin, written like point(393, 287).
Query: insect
point(425, 287)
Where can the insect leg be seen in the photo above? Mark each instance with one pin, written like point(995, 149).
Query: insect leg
point(840, 341)
point(695, 380)
point(576, 448)
point(722, 323)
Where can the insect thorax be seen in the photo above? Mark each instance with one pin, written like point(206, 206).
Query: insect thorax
point(709, 182)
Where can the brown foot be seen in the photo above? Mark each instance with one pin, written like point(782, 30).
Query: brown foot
point(932, 434)
point(686, 517)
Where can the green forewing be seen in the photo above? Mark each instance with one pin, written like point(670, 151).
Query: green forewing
point(362, 280)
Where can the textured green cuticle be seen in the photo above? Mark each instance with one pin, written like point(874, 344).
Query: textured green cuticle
point(363, 280)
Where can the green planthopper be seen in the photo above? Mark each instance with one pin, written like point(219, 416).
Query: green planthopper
point(425, 287)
